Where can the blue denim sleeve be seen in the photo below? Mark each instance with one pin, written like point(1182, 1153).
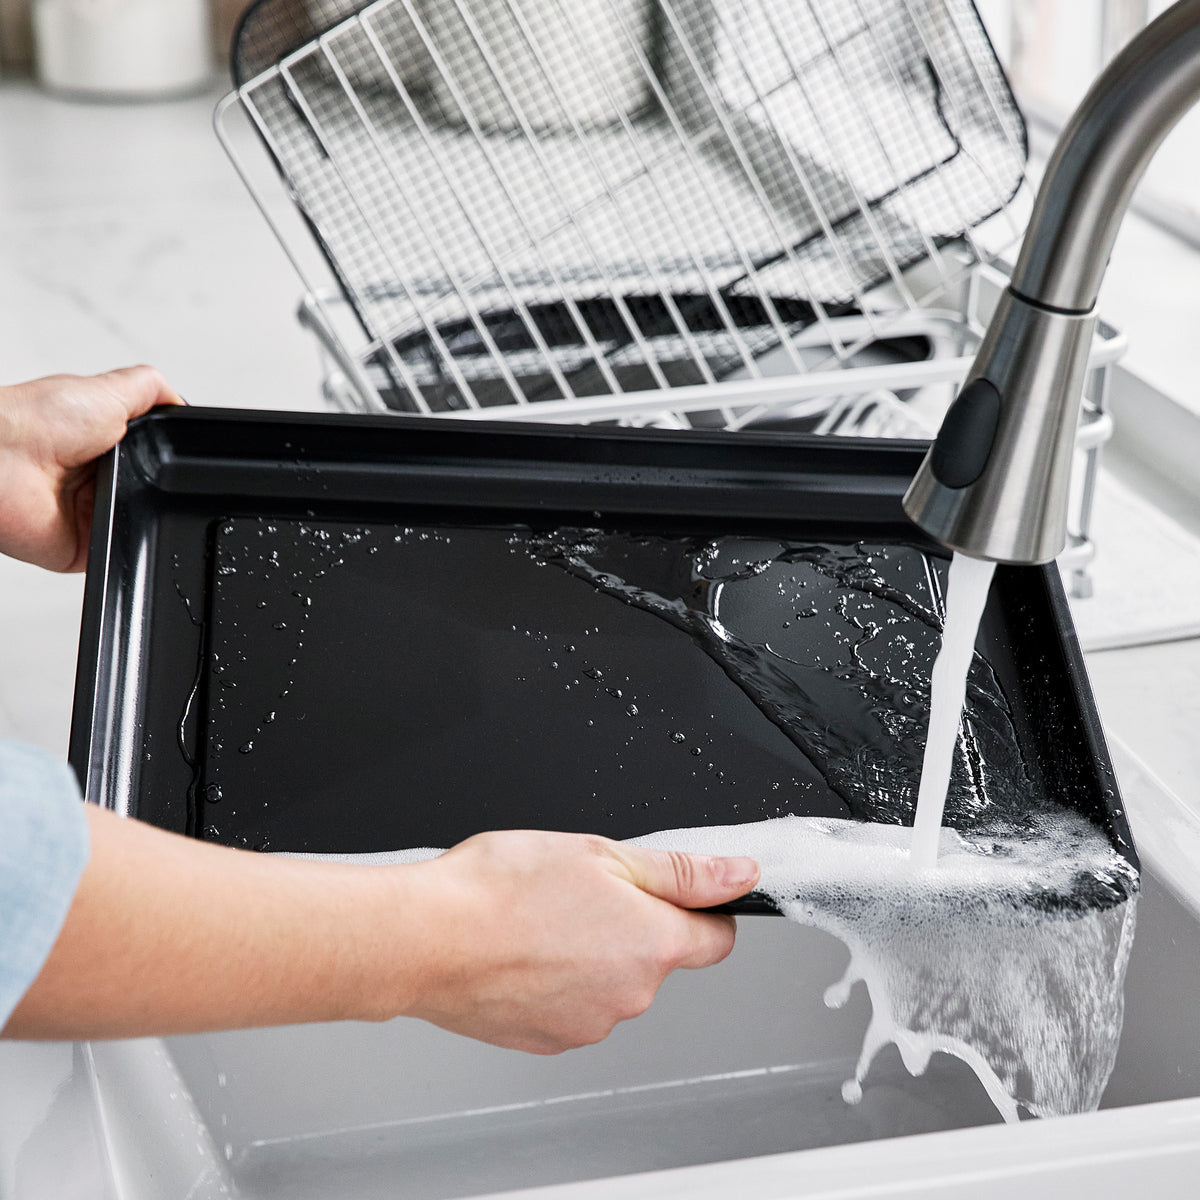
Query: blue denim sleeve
point(43, 850)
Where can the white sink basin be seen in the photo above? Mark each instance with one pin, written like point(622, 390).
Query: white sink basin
point(730, 1084)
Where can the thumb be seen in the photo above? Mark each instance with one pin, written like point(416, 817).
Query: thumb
point(141, 388)
point(687, 880)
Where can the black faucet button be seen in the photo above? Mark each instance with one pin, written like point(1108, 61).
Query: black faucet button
point(961, 449)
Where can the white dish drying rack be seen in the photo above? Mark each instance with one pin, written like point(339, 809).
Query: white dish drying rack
point(723, 213)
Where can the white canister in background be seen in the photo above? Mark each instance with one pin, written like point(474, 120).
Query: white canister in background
point(122, 48)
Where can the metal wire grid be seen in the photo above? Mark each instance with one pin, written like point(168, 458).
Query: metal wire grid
point(524, 202)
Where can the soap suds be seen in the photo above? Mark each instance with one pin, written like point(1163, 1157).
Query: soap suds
point(979, 959)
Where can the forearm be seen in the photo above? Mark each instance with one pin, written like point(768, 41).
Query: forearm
point(170, 935)
point(537, 941)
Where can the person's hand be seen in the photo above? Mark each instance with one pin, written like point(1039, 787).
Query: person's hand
point(51, 432)
point(544, 941)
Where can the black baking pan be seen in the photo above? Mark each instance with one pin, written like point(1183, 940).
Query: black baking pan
point(352, 634)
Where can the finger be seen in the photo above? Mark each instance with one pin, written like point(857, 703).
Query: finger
point(142, 388)
point(688, 880)
point(710, 939)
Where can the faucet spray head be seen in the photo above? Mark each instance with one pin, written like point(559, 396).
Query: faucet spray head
point(996, 481)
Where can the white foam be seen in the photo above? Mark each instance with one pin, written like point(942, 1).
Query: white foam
point(980, 959)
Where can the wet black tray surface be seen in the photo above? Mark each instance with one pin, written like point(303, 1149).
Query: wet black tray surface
point(334, 634)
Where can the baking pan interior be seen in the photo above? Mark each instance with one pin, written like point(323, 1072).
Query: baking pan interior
point(346, 635)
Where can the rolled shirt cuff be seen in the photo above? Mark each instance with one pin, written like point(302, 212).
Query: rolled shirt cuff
point(44, 847)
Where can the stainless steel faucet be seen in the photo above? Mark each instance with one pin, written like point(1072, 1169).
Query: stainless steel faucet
point(995, 483)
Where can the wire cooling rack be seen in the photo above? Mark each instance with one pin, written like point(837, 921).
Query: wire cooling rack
point(623, 208)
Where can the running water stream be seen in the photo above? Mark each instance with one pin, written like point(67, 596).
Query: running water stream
point(966, 595)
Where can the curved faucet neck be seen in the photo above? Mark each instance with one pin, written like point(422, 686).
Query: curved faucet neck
point(1100, 157)
point(996, 482)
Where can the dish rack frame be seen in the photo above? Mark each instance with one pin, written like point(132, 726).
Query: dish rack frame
point(870, 399)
